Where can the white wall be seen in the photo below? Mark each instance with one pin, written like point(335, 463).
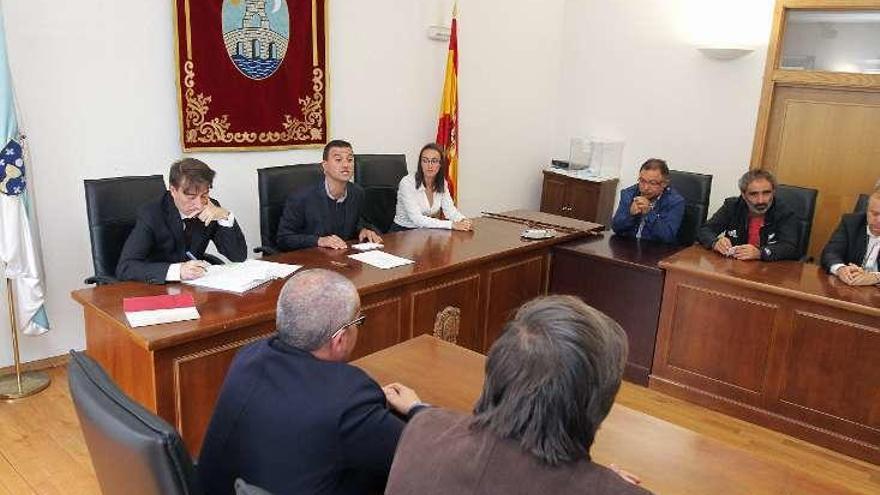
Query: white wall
point(95, 83)
point(631, 71)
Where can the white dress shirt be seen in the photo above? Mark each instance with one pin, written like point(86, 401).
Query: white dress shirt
point(413, 210)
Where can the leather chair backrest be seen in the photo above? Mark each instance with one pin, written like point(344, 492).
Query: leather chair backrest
point(275, 184)
point(380, 206)
point(861, 205)
point(379, 170)
point(801, 200)
point(112, 205)
point(696, 189)
point(133, 450)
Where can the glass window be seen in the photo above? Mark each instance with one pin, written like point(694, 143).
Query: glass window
point(829, 40)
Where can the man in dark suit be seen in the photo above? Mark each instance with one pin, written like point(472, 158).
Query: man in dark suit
point(292, 415)
point(330, 212)
point(172, 232)
point(851, 253)
point(754, 225)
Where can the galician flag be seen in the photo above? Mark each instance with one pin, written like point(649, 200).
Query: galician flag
point(19, 260)
point(447, 128)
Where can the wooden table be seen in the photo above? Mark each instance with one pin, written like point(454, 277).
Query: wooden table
point(782, 344)
point(668, 458)
point(462, 286)
point(619, 276)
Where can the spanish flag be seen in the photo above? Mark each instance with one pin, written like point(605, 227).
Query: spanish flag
point(447, 127)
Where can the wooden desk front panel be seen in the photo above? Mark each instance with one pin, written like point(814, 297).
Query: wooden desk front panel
point(805, 368)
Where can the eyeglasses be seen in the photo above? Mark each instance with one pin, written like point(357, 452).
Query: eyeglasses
point(355, 322)
point(432, 161)
point(652, 183)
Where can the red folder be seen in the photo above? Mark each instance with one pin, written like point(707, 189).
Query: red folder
point(148, 303)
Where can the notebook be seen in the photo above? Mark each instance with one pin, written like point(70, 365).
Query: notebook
point(242, 277)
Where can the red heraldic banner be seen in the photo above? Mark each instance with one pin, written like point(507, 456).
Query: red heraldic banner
point(252, 73)
point(447, 127)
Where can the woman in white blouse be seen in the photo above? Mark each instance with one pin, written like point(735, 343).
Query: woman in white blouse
point(422, 195)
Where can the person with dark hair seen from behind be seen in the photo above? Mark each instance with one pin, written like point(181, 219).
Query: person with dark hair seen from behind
point(293, 416)
point(172, 232)
point(754, 225)
point(853, 250)
point(651, 209)
point(421, 196)
point(551, 379)
point(330, 212)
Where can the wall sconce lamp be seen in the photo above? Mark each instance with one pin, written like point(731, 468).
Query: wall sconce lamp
point(724, 52)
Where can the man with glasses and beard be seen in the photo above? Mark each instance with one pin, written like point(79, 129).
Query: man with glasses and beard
point(753, 225)
point(293, 416)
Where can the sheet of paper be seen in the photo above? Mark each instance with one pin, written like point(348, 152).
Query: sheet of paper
point(366, 246)
point(157, 316)
point(381, 259)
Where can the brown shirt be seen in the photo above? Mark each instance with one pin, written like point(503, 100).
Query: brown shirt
point(439, 454)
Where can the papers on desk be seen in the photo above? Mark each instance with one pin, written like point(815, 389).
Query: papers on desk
point(366, 246)
point(241, 277)
point(152, 310)
point(381, 259)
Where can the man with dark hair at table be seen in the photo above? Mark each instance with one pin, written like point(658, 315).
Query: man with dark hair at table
point(329, 212)
point(754, 225)
point(852, 252)
point(651, 209)
point(292, 415)
point(169, 240)
point(551, 378)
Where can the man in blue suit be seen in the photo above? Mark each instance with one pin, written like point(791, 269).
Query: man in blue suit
point(650, 209)
point(293, 416)
point(329, 212)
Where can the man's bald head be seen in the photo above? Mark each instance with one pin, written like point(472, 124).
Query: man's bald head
point(312, 305)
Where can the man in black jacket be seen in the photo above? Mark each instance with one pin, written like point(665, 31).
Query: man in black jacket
point(294, 417)
point(851, 253)
point(330, 212)
point(753, 225)
point(172, 232)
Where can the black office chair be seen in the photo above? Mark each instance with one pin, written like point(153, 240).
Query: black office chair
point(133, 450)
point(801, 200)
point(275, 184)
point(112, 205)
point(380, 175)
point(695, 188)
point(861, 204)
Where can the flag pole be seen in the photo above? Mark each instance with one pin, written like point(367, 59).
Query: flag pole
point(21, 384)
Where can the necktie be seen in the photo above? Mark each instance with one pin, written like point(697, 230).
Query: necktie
point(189, 227)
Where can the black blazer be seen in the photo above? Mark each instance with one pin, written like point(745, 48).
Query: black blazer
point(157, 241)
point(307, 216)
point(289, 422)
point(778, 237)
point(848, 242)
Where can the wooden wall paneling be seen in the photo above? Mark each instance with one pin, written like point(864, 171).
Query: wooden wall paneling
point(707, 327)
point(106, 343)
point(830, 373)
point(509, 285)
point(385, 324)
point(459, 293)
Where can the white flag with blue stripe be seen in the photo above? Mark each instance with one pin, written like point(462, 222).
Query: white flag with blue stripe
point(19, 258)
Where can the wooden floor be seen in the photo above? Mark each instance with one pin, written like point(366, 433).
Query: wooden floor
point(42, 450)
